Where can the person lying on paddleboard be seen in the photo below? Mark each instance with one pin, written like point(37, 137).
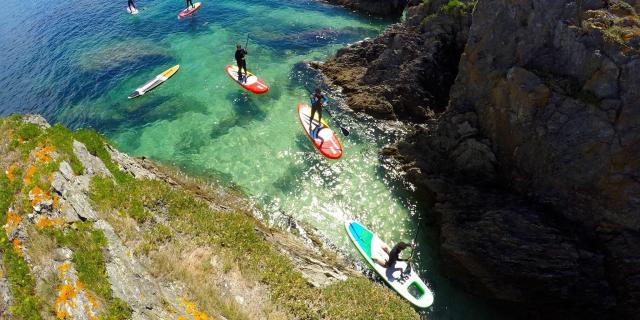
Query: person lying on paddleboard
point(189, 4)
point(394, 254)
point(131, 5)
point(241, 62)
point(318, 100)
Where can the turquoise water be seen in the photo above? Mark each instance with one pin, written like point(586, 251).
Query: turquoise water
point(77, 65)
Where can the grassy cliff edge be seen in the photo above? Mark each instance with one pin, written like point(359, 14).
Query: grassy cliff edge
point(84, 238)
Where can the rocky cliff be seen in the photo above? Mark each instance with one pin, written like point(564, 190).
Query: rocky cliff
point(526, 149)
point(384, 8)
point(91, 233)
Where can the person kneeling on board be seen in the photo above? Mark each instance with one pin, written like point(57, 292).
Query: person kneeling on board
point(241, 62)
point(394, 254)
point(318, 100)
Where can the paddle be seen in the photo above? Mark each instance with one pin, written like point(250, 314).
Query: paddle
point(413, 251)
point(344, 131)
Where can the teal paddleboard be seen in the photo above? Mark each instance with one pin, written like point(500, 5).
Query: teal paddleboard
point(410, 286)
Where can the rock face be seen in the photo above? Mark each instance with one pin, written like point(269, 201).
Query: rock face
point(384, 8)
point(405, 73)
point(533, 170)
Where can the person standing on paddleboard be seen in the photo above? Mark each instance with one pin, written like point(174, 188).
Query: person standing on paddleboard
point(131, 5)
point(189, 4)
point(317, 102)
point(394, 254)
point(241, 62)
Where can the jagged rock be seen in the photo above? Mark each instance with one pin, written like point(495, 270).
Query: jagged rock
point(36, 119)
point(131, 283)
point(405, 73)
point(92, 164)
point(74, 301)
point(62, 254)
point(73, 191)
point(5, 293)
point(384, 8)
point(307, 258)
point(129, 164)
point(533, 170)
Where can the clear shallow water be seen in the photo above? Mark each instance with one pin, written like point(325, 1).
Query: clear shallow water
point(77, 66)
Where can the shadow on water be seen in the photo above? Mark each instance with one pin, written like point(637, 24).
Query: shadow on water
point(246, 111)
point(191, 141)
point(127, 115)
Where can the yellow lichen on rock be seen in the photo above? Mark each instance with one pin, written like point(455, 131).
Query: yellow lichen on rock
point(37, 196)
point(191, 309)
point(46, 222)
point(66, 294)
point(29, 174)
point(13, 220)
point(74, 300)
point(17, 246)
point(9, 172)
point(44, 155)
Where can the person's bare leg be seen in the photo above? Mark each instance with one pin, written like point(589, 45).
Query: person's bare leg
point(380, 261)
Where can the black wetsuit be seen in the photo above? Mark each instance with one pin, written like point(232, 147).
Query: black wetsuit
point(241, 62)
point(394, 255)
point(189, 2)
point(130, 4)
point(316, 106)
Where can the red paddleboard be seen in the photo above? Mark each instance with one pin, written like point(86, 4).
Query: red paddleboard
point(252, 83)
point(322, 137)
point(189, 11)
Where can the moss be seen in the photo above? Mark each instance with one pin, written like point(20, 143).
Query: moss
point(87, 245)
point(62, 139)
point(459, 7)
point(118, 310)
point(25, 137)
point(234, 235)
point(95, 145)
point(26, 303)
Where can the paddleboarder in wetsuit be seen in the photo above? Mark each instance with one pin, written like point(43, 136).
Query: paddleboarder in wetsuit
point(189, 4)
point(317, 101)
point(241, 62)
point(131, 5)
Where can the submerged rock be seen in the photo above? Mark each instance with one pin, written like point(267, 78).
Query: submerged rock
point(121, 54)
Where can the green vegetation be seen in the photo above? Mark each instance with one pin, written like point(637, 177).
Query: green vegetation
point(459, 7)
point(87, 245)
point(62, 139)
point(26, 303)
point(353, 298)
point(188, 221)
point(95, 144)
point(235, 237)
point(28, 136)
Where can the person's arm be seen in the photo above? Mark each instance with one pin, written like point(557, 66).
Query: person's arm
point(405, 246)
